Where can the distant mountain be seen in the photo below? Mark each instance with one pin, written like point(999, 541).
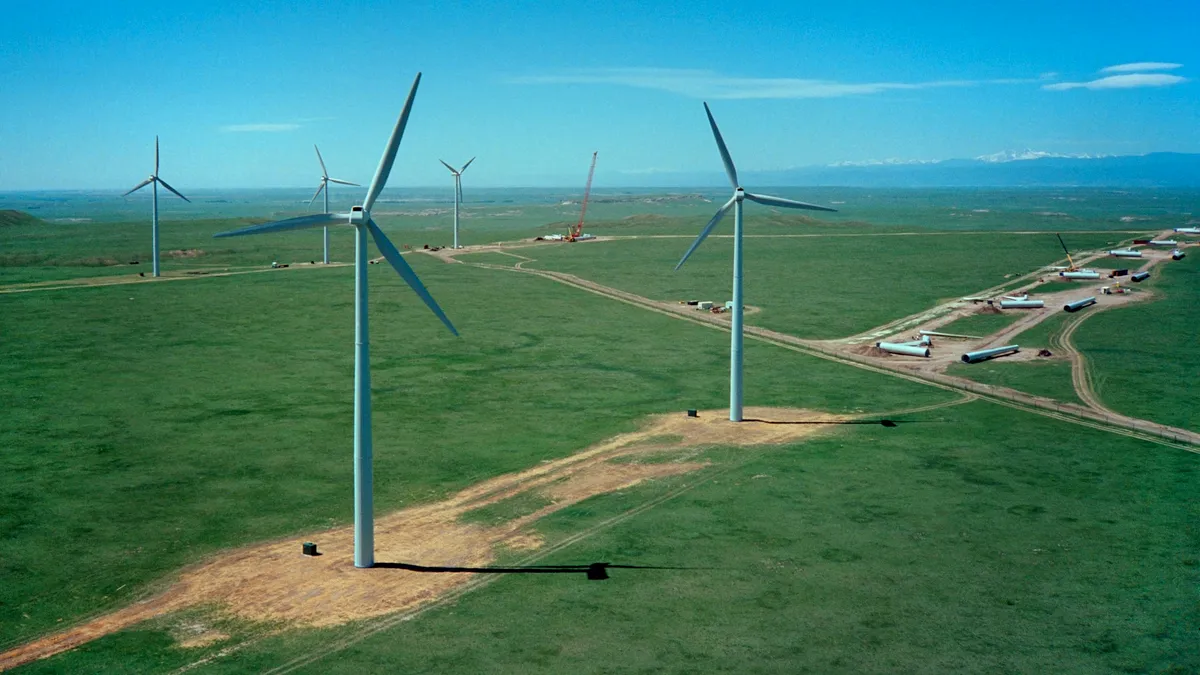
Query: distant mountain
point(1024, 168)
point(1026, 154)
point(1160, 169)
point(10, 217)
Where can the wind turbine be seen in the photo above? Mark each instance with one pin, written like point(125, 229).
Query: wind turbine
point(155, 180)
point(324, 187)
point(457, 192)
point(739, 194)
point(359, 218)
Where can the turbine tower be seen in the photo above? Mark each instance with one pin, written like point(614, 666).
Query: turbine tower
point(739, 194)
point(154, 180)
point(324, 187)
point(457, 192)
point(359, 218)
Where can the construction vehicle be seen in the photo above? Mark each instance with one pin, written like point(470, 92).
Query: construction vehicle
point(576, 233)
point(1070, 263)
point(1115, 289)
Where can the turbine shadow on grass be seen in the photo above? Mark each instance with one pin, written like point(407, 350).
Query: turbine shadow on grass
point(597, 571)
point(886, 423)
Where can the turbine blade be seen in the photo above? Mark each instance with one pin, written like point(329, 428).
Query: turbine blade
point(301, 223)
point(786, 203)
point(139, 186)
point(156, 155)
point(164, 184)
point(324, 173)
point(458, 190)
point(448, 167)
point(393, 256)
point(318, 192)
point(343, 182)
point(389, 153)
point(705, 232)
point(729, 169)
point(466, 165)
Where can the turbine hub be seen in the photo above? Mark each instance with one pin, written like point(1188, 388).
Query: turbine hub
point(358, 216)
point(739, 194)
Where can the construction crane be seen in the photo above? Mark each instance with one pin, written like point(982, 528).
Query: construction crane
point(1070, 263)
point(573, 233)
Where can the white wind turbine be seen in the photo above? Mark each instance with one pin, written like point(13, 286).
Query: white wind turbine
point(739, 194)
point(359, 218)
point(154, 180)
point(457, 192)
point(324, 187)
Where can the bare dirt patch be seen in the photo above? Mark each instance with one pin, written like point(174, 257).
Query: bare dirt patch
point(184, 253)
point(868, 350)
point(274, 583)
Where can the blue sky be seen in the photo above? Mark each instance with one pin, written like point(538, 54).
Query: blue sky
point(239, 92)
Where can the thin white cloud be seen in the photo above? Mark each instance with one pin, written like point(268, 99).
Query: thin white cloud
point(712, 85)
point(260, 127)
point(1141, 66)
point(1130, 81)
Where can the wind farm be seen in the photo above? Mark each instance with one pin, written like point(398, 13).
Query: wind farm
point(901, 415)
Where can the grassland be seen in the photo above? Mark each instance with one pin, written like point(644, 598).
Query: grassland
point(870, 550)
point(490, 258)
point(1050, 378)
point(1144, 357)
point(151, 425)
point(147, 427)
point(825, 287)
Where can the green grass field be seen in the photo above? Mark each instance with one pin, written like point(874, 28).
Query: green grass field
point(1144, 357)
point(1050, 378)
point(149, 426)
point(811, 287)
point(491, 258)
point(160, 422)
point(867, 550)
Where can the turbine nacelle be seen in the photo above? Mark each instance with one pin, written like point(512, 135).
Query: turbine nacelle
point(358, 216)
point(739, 193)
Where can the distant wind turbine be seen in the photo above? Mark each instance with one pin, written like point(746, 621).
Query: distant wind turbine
point(359, 218)
point(324, 187)
point(739, 194)
point(154, 180)
point(457, 192)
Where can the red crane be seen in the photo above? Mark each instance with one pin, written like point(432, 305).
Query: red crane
point(574, 232)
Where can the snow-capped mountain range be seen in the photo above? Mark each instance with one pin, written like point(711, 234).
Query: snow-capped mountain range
point(994, 158)
point(1027, 154)
point(1019, 168)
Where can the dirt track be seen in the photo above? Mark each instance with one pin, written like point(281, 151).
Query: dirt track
point(273, 582)
point(126, 279)
point(930, 373)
